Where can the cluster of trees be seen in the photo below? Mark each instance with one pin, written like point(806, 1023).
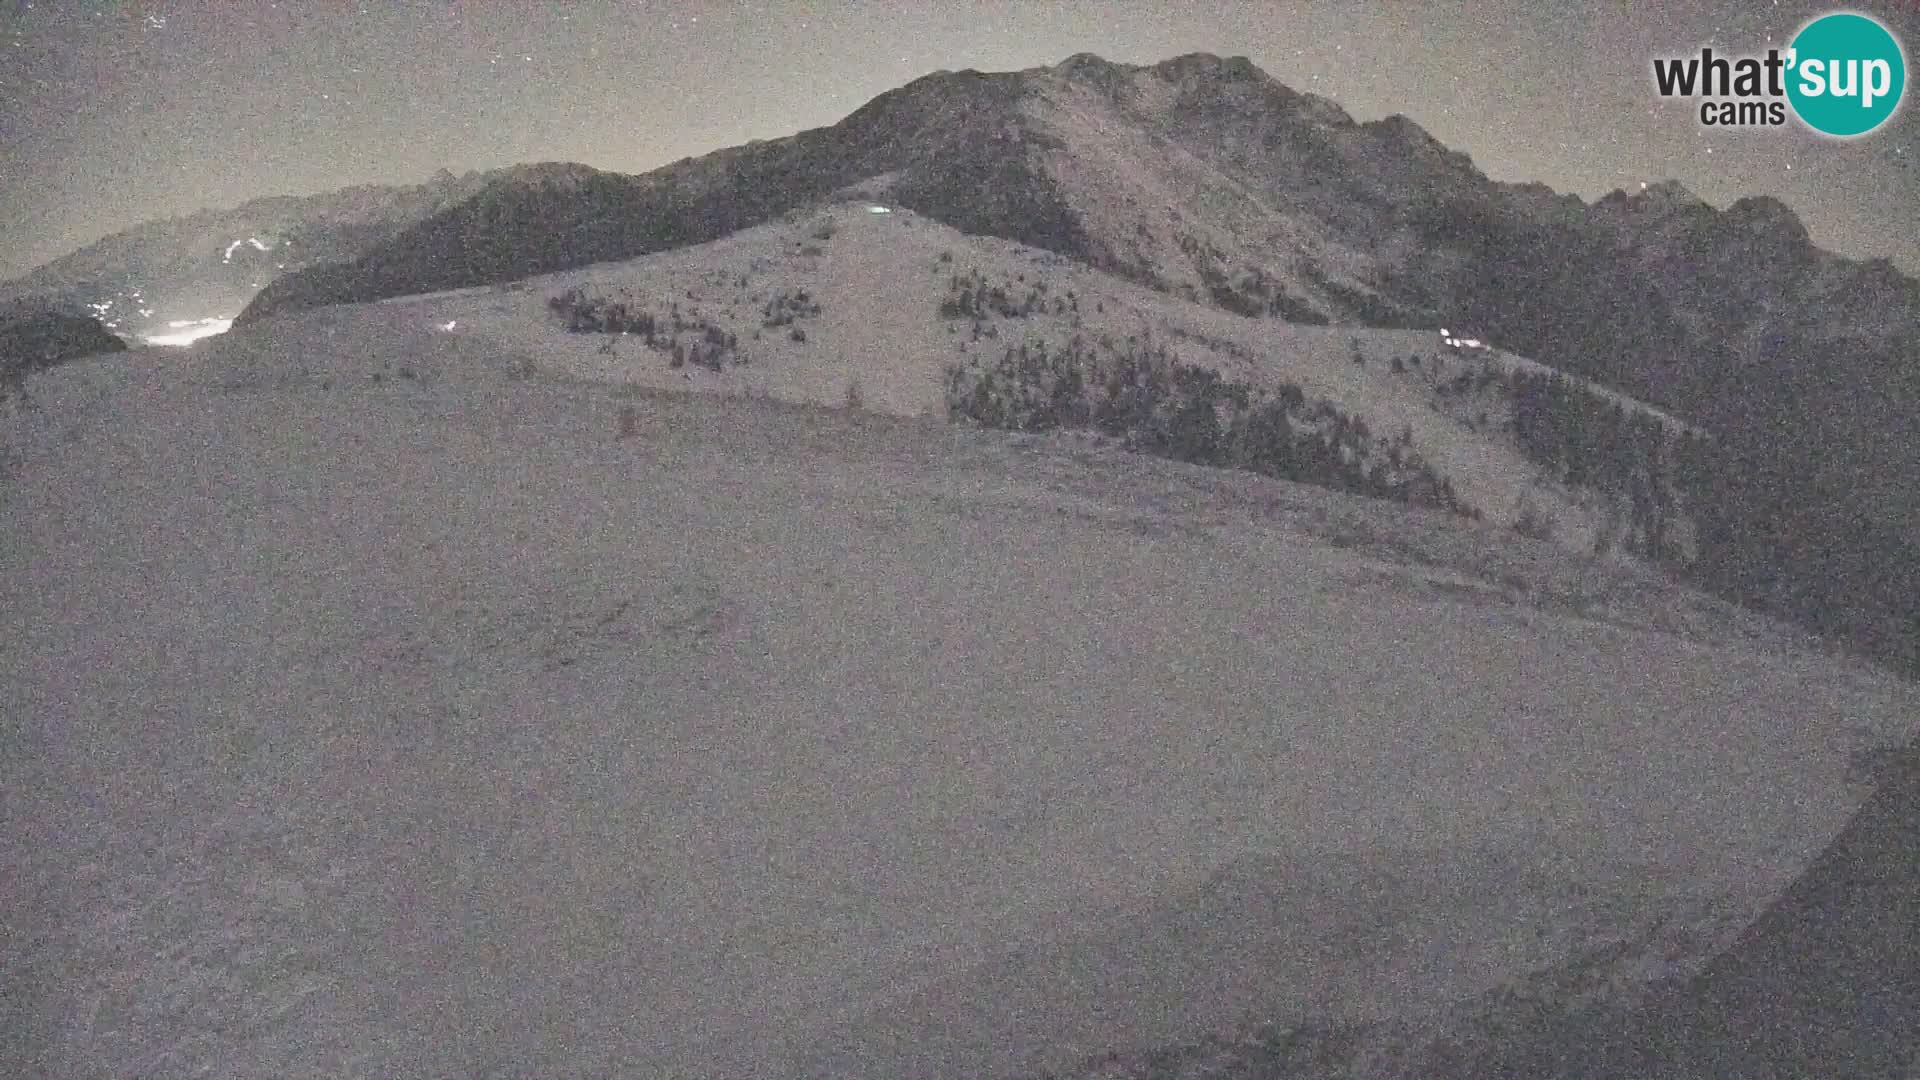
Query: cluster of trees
point(1771, 539)
point(1365, 308)
point(1764, 535)
point(1793, 510)
point(1585, 439)
point(785, 307)
point(972, 297)
point(711, 347)
point(1256, 295)
point(1249, 299)
point(600, 315)
point(1140, 394)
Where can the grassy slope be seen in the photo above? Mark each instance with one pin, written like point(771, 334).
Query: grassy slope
point(422, 726)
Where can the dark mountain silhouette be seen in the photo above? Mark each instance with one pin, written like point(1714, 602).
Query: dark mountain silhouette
point(944, 141)
point(38, 336)
point(1205, 177)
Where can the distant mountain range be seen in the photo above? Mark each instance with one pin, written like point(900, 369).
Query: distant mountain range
point(142, 281)
point(1206, 178)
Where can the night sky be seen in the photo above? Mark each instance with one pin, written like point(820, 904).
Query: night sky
point(111, 114)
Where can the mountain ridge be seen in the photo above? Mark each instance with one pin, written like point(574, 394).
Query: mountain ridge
point(1206, 178)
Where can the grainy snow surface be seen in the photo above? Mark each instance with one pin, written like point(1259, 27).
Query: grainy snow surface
point(425, 727)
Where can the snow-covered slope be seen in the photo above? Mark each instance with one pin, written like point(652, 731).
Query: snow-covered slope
point(379, 703)
point(878, 277)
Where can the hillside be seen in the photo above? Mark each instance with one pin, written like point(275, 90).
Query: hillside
point(910, 317)
point(385, 701)
point(209, 265)
point(34, 336)
point(1207, 179)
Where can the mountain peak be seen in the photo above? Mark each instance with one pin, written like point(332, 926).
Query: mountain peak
point(1189, 67)
point(1763, 213)
point(1401, 130)
point(1666, 194)
point(1236, 82)
point(1196, 65)
point(1403, 127)
point(565, 173)
point(1091, 68)
point(1090, 62)
point(1659, 198)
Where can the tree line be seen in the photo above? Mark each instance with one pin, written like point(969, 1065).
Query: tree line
point(1139, 393)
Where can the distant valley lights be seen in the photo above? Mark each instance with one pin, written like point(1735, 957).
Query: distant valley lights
point(188, 331)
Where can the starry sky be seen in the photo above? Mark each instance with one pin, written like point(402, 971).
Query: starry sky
point(115, 113)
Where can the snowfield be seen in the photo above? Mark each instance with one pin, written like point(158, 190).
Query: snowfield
point(427, 726)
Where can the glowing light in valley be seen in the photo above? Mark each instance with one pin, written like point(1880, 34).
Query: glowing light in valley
point(189, 331)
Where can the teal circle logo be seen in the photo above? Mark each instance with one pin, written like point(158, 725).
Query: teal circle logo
point(1846, 74)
